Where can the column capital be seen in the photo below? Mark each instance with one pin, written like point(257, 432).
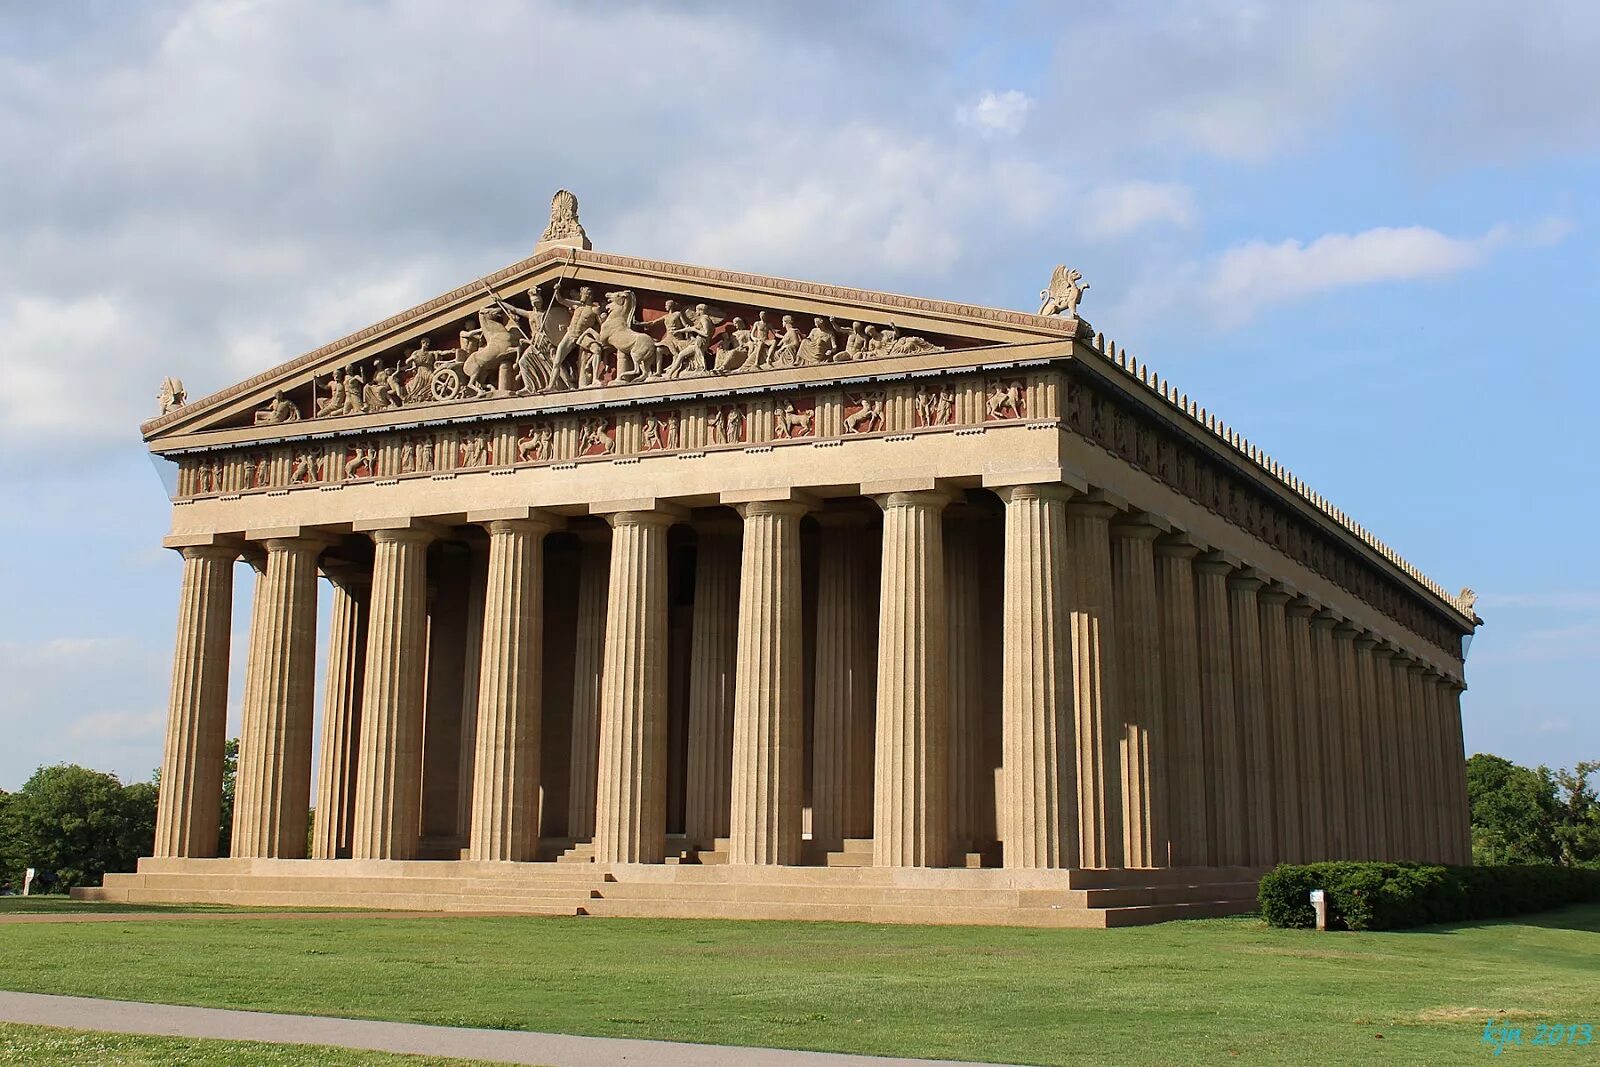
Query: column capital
point(1384, 650)
point(1090, 508)
point(530, 527)
point(534, 516)
point(405, 525)
point(844, 518)
point(735, 497)
point(1038, 491)
point(305, 542)
point(1346, 630)
point(1366, 641)
point(1302, 607)
point(1245, 578)
point(1137, 527)
point(782, 508)
point(933, 499)
point(592, 533)
point(1177, 545)
point(1276, 593)
point(411, 536)
point(649, 512)
point(349, 576)
point(225, 551)
point(718, 526)
point(1325, 619)
point(1216, 562)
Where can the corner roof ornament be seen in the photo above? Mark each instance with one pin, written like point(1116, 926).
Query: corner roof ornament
point(564, 230)
point(1064, 293)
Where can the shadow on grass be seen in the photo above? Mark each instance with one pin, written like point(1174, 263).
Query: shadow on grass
point(1585, 917)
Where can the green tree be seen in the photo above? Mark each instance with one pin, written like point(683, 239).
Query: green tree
point(230, 772)
point(1514, 812)
point(80, 823)
point(1578, 816)
point(10, 864)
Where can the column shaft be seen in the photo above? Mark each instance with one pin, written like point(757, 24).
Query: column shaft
point(505, 790)
point(1461, 828)
point(189, 805)
point(768, 717)
point(630, 809)
point(588, 660)
point(341, 714)
point(1039, 763)
point(1369, 754)
point(273, 791)
point(1181, 704)
point(1227, 814)
point(714, 650)
point(1138, 646)
point(911, 817)
point(846, 684)
point(1278, 677)
point(1307, 712)
point(1413, 836)
point(389, 773)
point(1095, 690)
point(1255, 731)
point(971, 790)
point(1334, 776)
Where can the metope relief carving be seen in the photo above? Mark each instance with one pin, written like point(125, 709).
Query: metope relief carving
point(725, 424)
point(659, 432)
point(361, 461)
point(935, 405)
point(310, 465)
point(476, 450)
point(794, 418)
point(597, 437)
point(536, 443)
point(1005, 398)
point(865, 412)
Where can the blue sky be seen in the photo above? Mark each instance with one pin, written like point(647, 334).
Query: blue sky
point(1364, 233)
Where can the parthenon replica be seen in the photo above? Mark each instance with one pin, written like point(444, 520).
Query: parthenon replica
point(665, 591)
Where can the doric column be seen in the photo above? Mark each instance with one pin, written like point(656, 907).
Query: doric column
point(1138, 648)
point(1348, 728)
point(189, 806)
point(505, 789)
point(1255, 732)
point(911, 816)
point(1039, 817)
point(713, 651)
point(1425, 835)
point(846, 683)
point(272, 796)
point(1277, 668)
point(768, 717)
point(588, 658)
point(1387, 754)
point(1181, 703)
point(1331, 704)
point(349, 591)
point(1369, 754)
point(389, 772)
point(630, 808)
point(1307, 712)
point(1094, 684)
point(1460, 838)
point(971, 790)
point(1432, 766)
point(1220, 723)
point(1413, 836)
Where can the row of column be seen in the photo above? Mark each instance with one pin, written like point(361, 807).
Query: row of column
point(1160, 705)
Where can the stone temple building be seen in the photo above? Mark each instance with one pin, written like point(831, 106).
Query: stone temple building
point(663, 590)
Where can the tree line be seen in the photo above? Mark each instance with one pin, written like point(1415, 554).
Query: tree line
point(81, 824)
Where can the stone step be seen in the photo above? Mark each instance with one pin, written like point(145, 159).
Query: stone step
point(933, 914)
point(843, 895)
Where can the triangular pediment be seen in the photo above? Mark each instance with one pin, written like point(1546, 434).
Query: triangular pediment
point(510, 336)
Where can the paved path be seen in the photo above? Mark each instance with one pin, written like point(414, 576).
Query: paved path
point(500, 1046)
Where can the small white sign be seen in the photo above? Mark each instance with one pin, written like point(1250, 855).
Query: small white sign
point(1316, 896)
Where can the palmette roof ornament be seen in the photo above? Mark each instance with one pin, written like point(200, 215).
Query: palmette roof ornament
point(564, 230)
point(1063, 295)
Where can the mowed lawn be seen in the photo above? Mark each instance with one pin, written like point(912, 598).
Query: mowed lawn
point(46, 1046)
point(1226, 990)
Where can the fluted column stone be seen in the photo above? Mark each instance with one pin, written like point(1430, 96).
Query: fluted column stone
point(630, 809)
point(272, 796)
point(588, 659)
point(188, 809)
point(1225, 803)
point(389, 773)
point(1387, 754)
point(911, 817)
point(1182, 709)
point(768, 717)
point(1331, 702)
point(1413, 826)
point(713, 653)
point(1255, 731)
point(1277, 667)
point(1461, 825)
point(1095, 690)
point(505, 790)
point(1307, 712)
point(1422, 771)
point(1145, 841)
point(843, 731)
point(349, 592)
point(1349, 727)
point(1039, 816)
point(1369, 754)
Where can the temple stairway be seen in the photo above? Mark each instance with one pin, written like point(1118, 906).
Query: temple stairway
point(988, 897)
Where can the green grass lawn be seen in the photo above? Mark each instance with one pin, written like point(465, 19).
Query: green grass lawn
point(63, 905)
point(46, 1046)
point(1224, 990)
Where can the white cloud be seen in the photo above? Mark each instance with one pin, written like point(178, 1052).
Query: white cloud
point(118, 727)
point(994, 114)
point(1114, 210)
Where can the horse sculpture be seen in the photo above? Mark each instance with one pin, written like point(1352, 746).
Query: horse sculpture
point(638, 354)
point(499, 347)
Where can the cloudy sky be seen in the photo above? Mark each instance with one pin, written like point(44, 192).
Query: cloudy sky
point(1364, 232)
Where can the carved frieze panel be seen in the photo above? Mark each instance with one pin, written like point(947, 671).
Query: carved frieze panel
point(1005, 398)
point(536, 443)
point(794, 417)
point(726, 424)
point(935, 404)
point(597, 436)
point(659, 431)
point(865, 412)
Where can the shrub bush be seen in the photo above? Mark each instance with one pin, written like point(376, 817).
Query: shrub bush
point(1390, 896)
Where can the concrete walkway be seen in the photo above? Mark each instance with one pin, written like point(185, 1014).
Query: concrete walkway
point(499, 1046)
